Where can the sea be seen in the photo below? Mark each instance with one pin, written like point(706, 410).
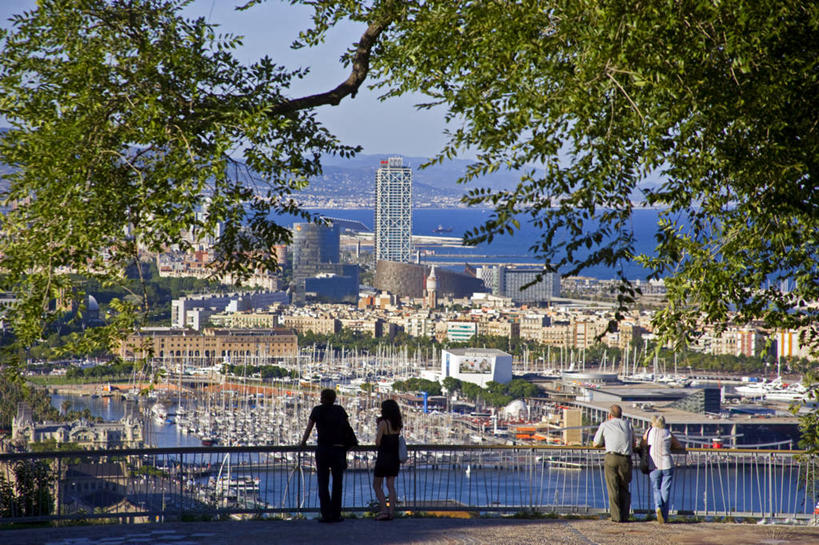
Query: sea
point(514, 248)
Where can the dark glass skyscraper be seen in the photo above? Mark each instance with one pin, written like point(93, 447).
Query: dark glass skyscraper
point(314, 244)
point(316, 254)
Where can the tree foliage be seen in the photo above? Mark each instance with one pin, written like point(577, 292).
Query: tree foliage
point(703, 109)
point(591, 100)
point(125, 117)
point(417, 385)
point(349, 340)
point(809, 420)
point(14, 391)
point(117, 369)
point(31, 493)
point(451, 384)
point(494, 394)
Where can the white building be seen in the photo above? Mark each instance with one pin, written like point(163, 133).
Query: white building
point(419, 325)
point(393, 211)
point(195, 311)
point(476, 365)
point(461, 332)
point(788, 345)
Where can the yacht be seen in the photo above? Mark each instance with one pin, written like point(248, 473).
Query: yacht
point(753, 390)
point(789, 393)
point(159, 412)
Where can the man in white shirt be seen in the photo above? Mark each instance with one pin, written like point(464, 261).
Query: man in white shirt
point(617, 436)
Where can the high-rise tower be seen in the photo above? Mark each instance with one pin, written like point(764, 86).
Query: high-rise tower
point(393, 211)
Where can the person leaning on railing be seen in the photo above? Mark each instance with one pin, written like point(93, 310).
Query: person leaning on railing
point(661, 443)
point(331, 423)
point(617, 436)
point(387, 462)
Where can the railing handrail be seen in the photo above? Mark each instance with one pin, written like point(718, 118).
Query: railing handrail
point(737, 482)
point(360, 448)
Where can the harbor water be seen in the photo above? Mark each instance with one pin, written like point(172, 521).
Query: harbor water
point(562, 481)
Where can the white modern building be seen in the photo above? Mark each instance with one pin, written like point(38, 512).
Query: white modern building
point(461, 332)
point(393, 211)
point(476, 365)
point(195, 311)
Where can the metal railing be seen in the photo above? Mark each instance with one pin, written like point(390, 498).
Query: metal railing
point(135, 485)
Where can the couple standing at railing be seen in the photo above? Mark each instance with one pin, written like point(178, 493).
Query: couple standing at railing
point(617, 436)
point(336, 437)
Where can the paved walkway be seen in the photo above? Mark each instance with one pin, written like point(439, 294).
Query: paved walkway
point(417, 532)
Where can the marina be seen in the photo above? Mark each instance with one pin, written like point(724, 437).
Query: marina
point(245, 410)
point(463, 453)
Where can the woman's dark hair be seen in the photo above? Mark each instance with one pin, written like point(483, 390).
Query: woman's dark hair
point(328, 396)
point(390, 411)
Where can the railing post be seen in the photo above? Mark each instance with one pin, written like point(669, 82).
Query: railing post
point(59, 488)
point(705, 482)
point(414, 480)
point(299, 473)
point(179, 475)
point(813, 462)
point(771, 509)
point(531, 479)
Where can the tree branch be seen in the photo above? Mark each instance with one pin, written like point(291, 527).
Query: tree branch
point(360, 68)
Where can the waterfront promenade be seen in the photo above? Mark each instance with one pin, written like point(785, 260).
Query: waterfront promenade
point(418, 531)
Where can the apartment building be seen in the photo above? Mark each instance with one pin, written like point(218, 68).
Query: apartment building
point(320, 325)
point(499, 328)
point(212, 345)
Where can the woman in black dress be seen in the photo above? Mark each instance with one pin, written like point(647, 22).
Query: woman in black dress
point(386, 463)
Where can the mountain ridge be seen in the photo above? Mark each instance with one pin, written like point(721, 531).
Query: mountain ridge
point(351, 181)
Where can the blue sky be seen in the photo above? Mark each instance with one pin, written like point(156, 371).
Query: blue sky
point(393, 127)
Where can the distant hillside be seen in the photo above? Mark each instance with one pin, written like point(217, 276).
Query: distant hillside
point(345, 179)
point(441, 176)
point(351, 182)
point(354, 179)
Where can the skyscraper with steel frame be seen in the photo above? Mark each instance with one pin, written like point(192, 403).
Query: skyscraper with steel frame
point(393, 211)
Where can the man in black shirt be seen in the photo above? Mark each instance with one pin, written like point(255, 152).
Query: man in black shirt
point(331, 455)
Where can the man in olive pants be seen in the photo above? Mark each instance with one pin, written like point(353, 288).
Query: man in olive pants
point(617, 436)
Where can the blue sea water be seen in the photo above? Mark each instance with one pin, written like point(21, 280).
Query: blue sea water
point(512, 248)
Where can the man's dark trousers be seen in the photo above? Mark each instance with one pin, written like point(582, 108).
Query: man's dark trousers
point(618, 477)
point(330, 459)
